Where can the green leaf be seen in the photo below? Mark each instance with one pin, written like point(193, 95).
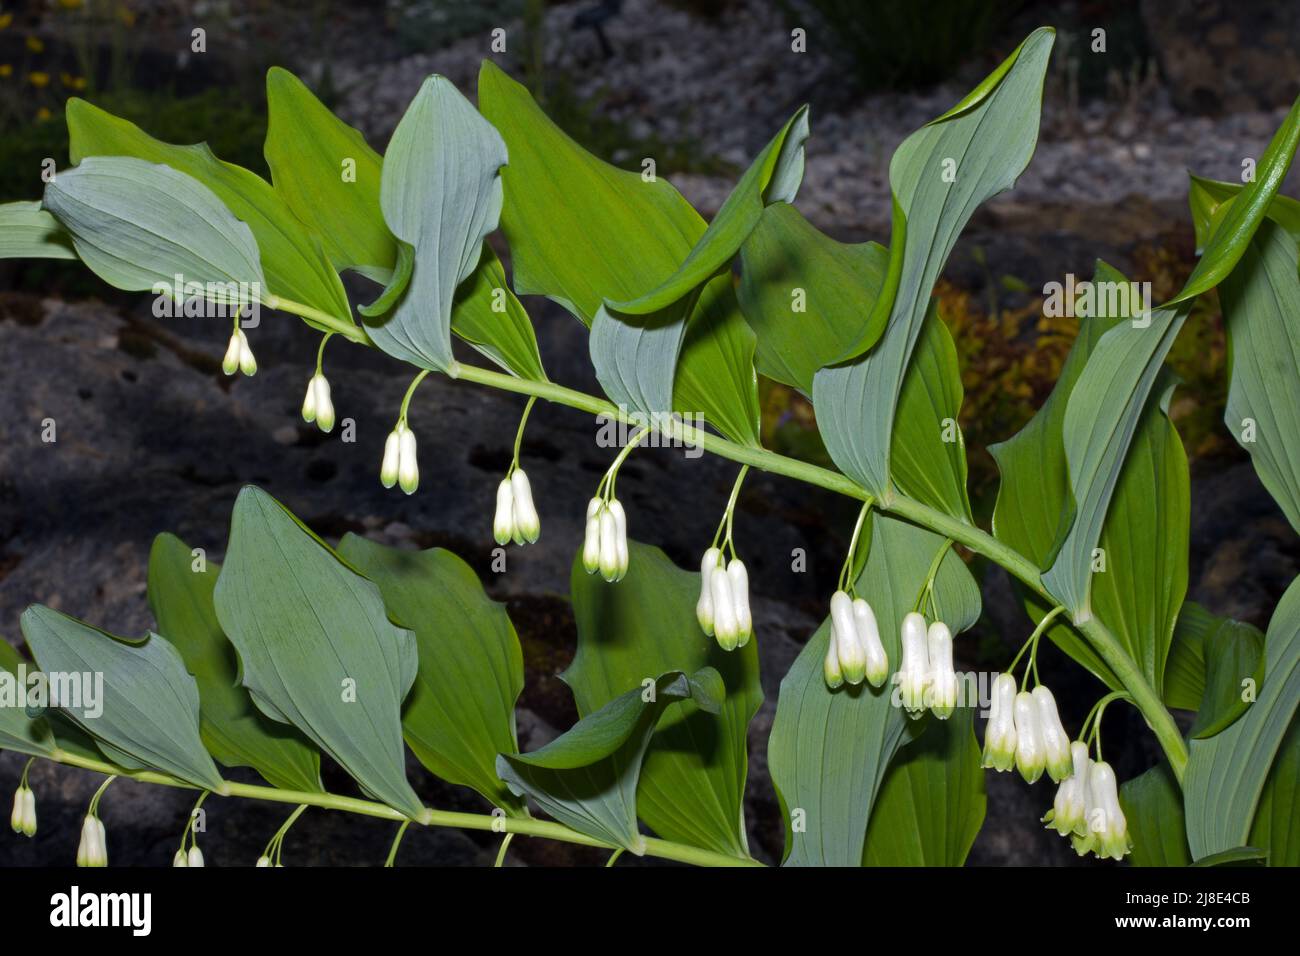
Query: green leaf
point(315, 645)
point(1277, 828)
point(635, 342)
point(784, 256)
point(1234, 231)
point(1226, 773)
point(1153, 807)
point(718, 353)
point(1217, 653)
point(233, 730)
point(938, 176)
point(587, 777)
point(692, 785)
point(461, 712)
point(1207, 197)
point(581, 230)
point(932, 803)
point(146, 707)
point(1261, 300)
point(1239, 856)
point(328, 175)
point(828, 751)
point(29, 232)
point(487, 315)
point(19, 732)
point(138, 225)
point(441, 194)
point(294, 260)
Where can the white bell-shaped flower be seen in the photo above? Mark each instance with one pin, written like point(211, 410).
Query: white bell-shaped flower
point(620, 537)
point(1030, 757)
point(247, 363)
point(180, 859)
point(704, 606)
point(19, 814)
point(831, 664)
point(503, 527)
point(943, 676)
point(392, 457)
point(914, 671)
point(725, 627)
point(740, 598)
point(1069, 813)
point(29, 812)
point(1000, 733)
point(408, 469)
point(526, 521)
point(877, 661)
point(195, 857)
point(1056, 742)
point(309, 401)
point(1105, 818)
point(844, 631)
point(230, 362)
point(324, 402)
point(591, 537)
point(608, 545)
point(263, 860)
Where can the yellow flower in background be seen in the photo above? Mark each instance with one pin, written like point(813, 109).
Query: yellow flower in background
point(73, 82)
point(38, 79)
point(6, 70)
point(42, 115)
point(6, 19)
point(35, 45)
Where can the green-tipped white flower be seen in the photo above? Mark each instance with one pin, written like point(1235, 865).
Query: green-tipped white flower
point(591, 537)
point(503, 519)
point(408, 469)
point(230, 363)
point(29, 812)
point(844, 633)
point(180, 859)
point(392, 457)
point(943, 677)
point(1030, 757)
point(526, 522)
point(704, 606)
point(1069, 813)
point(309, 401)
point(869, 641)
point(1106, 820)
point(914, 671)
point(247, 364)
point(740, 600)
point(93, 848)
point(1056, 742)
point(195, 857)
point(725, 626)
point(322, 405)
point(608, 545)
point(19, 814)
point(1000, 733)
point(263, 860)
point(620, 540)
point(831, 665)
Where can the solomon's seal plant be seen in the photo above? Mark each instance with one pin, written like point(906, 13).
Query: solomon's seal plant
point(295, 649)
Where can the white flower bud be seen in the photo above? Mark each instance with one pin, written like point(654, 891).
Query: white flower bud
point(591, 537)
point(180, 859)
point(408, 469)
point(263, 860)
point(1069, 813)
point(87, 844)
point(230, 364)
point(29, 812)
point(1056, 742)
point(1106, 819)
point(503, 521)
point(527, 523)
point(1030, 758)
point(943, 677)
point(1000, 734)
point(725, 627)
point(101, 844)
point(831, 665)
point(195, 856)
point(324, 403)
point(740, 598)
point(19, 815)
point(844, 631)
point(914, 671)
point(309, 401)
point(620, 539)
point(869, 640)
point(247, 364)
point(608, 546)
point(704, 606)
point(392, 457)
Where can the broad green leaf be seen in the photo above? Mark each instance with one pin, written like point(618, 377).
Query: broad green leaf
point(1276, 829)
point(441, 194)
point(804, 294)
point(1153, 809)
point(1261, 302)
point(829, 750)
point(134, 698)
point(292, 258)
point(233, 730)
point(29, 232)
point(138, 225)
point(1238, 856)
point(717, 354)
point(581, 231)
point(461, 712)
point(932, 803)
point(693, 781)
point(1226, 773)
point(1209, 661)
point(328, 175)
point(1233, 233)
point(635, 342)
point(1207, 197)
point(487, 315)
point(19, 732)
point(587, 777)
point(938, 176)
point(316, 647)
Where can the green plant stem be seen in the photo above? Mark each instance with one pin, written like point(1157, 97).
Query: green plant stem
point(1145, 697)
point(525, 826)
